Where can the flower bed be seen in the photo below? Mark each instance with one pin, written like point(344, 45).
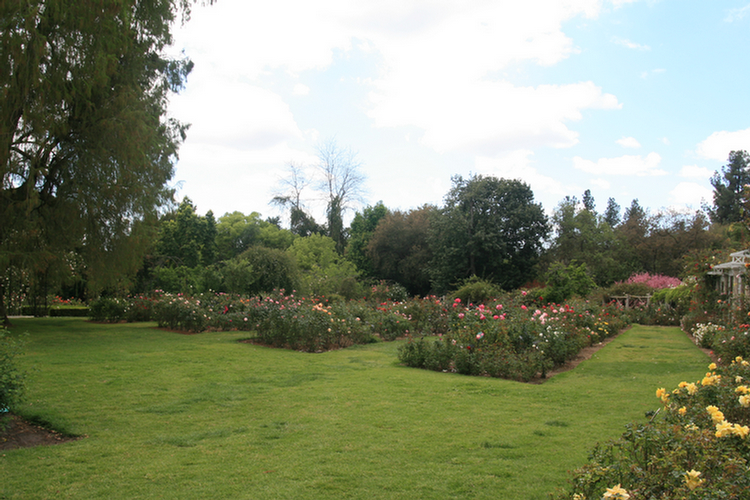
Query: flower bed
point(507, 339)
point(696, 447)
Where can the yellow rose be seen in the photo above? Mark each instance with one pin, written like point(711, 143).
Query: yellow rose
point(616, 493)
point(741, 430)
point(692, 479)
point(724, 429)
point(682, 411)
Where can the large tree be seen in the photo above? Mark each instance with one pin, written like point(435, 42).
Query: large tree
point(490, 228)
point(729, 188)
point(398, 249)
point(86, 150)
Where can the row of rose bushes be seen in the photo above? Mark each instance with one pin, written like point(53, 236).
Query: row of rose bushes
point(508, 339)
point(696, 447)
point(280, 319)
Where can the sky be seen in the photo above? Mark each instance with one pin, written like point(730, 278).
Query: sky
point(631, 99)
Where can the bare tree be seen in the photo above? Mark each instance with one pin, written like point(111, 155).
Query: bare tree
point(290, 197)
point(343, 183)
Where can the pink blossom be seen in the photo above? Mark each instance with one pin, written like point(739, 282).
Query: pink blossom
point(481, 316)
point(495, 316)
point(524, 307)
point(499, 306)
point(523, 293)
point(461, 315)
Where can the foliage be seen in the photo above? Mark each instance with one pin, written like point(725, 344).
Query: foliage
point(696, 447)
point(87, 150)
point(399, 250)
point(476, 291)
point(584, 237)
point(12, 378)
point(656, 281)
point(110, 310)
point(506, 339)
point(264, 270)
point(564, 282)
point(489, 228)
point(729, 188)
point(360, 232)
point(323, 271)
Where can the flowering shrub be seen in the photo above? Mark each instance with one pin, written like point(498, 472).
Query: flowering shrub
point(110, 310)
point(508, 339)
point(655, 281)
point(696, 447)
point(704, 333)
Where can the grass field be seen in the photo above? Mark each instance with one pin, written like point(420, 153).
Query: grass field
point(203, 416)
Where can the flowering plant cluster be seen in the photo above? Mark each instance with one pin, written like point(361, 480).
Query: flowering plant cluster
point(696, 447)
point(281, 319)
point(655, 281)
point(507, 339)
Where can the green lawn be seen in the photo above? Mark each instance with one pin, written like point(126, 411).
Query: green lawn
point(203, 416)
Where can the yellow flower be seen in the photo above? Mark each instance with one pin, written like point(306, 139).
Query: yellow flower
point(578, 497)
point(693, 480)
point(692, 388)
point(723, 429)
point(740, 430)
point(682, 411)
point(712, 366)
point(742, 389)
point(716, 415)
point(616, 493)
point(691, 427)
point(737, 379)
point(682, 384)
point(745, 401)
point(662, 394)
point(738, 359)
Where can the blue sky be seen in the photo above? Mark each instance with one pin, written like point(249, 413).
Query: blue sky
point(630, 99)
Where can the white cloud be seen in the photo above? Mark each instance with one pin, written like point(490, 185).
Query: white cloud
point(301, 89)
point(696, 172)
point(518, 165)
point(624, 42)
point(719, 144)
point(623, 165)
point(737, 14)
point(665, 141)
point(629, 142)
point(691, 194)
point(619, 3)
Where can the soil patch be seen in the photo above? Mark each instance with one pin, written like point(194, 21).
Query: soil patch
point(20, 433)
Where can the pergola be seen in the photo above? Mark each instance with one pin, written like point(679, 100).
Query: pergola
point(731, 274)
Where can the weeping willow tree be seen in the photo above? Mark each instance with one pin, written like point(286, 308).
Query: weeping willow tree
point(86, 150)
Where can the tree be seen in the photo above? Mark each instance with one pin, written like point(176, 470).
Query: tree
point(324, 271)
point(588, 201)
point(360, 232)
point(343, 184)
point(612, 213)
point(583, 237)
point(729, 188)
point(86, 150)
point(301, 223)
point(490, 228)
point(399, 250)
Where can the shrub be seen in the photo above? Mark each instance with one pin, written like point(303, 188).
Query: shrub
point(476, 291)
point(110, 310)
point(12, 382)
point(70, 311)
point(695, 448)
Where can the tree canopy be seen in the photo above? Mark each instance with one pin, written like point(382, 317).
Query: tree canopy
point(490, 228)
point(729, 188)
point(86, 150)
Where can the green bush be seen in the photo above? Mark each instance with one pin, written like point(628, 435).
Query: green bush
point(109, 310)
point(12, 379)
point(696, 447)
point(476, 291)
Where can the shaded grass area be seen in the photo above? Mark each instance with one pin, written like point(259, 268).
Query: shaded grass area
point(203, 416)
